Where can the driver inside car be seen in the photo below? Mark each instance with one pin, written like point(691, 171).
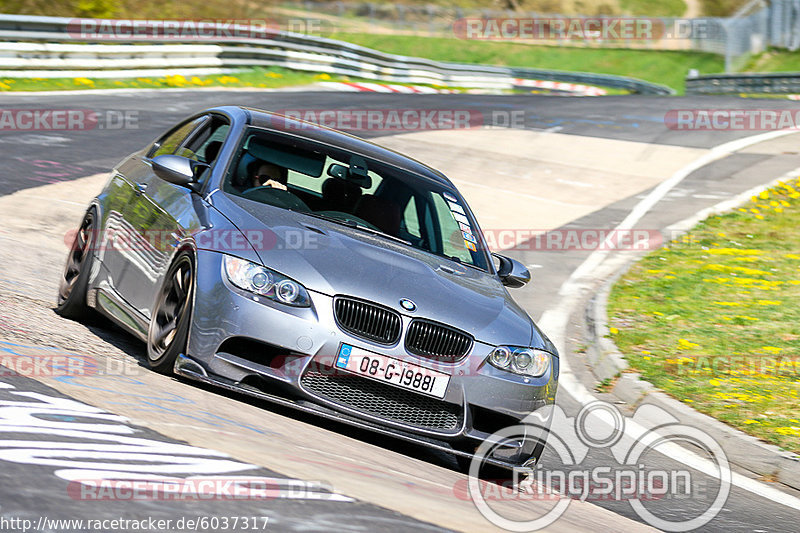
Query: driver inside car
point(269, 175)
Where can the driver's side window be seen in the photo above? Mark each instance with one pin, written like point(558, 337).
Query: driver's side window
point(168, 144)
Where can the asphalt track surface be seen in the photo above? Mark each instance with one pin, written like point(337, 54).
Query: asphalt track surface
point(36, 158)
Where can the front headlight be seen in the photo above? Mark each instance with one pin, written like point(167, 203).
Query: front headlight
point(525, 361)
point(265, 282)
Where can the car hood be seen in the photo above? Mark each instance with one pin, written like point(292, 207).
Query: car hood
point(337, 260)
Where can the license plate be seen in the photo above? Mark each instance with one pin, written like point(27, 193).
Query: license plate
point(391, 370)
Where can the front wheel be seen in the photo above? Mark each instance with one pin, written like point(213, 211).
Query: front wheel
point(71, 300)
point(169, 325)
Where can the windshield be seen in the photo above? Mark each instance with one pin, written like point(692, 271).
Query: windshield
point(353, 191)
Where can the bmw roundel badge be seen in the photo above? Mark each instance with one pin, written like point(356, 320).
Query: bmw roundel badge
point(407, 304)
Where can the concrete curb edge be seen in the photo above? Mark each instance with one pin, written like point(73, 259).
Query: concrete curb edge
point(607, 363)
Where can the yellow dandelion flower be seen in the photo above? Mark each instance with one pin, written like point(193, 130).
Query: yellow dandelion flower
point(176, 80)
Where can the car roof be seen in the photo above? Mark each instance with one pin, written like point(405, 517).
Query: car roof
point(316, 133)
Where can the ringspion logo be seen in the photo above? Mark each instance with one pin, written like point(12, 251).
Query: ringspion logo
point(621, 471)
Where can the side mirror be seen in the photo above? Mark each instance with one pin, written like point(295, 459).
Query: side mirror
point(176, 169)
point(512, 273)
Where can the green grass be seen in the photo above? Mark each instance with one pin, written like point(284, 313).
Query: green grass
point(255, 77)
point(774, 61)
point(714, 319)
point(720, 8)
point(665, 67)
point(654, 8)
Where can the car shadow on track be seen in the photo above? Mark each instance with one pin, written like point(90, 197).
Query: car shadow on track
point(137, 351)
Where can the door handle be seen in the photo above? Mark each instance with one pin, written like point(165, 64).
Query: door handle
point(140, 188)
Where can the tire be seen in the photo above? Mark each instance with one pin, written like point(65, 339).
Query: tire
point(71, 298)
point(172, 311)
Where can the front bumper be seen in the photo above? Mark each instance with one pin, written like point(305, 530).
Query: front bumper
point(265, 349)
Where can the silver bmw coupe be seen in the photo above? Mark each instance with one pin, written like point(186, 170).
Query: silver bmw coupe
point(311, 268)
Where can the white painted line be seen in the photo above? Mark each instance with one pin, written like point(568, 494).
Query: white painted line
point(554, 321)
point(575, 183)
point(726, 205)
point(657, 194)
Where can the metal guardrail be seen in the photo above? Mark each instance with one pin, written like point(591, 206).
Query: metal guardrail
point(44, 46)
point(773, 83)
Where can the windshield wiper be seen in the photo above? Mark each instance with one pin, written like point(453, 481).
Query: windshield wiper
point(367, 229)
point(343, 221)
point(356, 225)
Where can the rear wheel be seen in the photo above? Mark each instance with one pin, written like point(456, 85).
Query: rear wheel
point(169, 325)
point(71, 300)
